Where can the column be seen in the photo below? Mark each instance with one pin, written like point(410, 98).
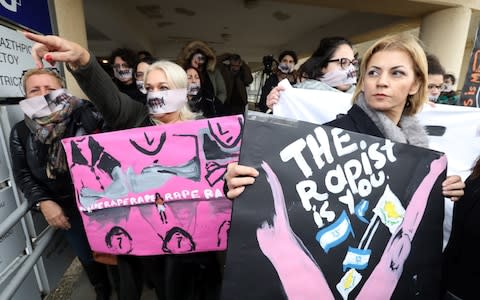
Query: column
point(444, 34)
point(71, 25)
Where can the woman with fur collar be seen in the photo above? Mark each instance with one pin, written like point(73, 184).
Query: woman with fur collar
point(199, 55)
point(392, 88)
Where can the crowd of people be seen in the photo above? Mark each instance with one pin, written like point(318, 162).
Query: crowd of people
point(395, 78)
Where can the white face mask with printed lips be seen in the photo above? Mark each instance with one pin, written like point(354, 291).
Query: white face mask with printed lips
point(123, 75)
point(340, 77)
point(448, 87)
point(433, 98)
point(193, 89)
point(285, 68)
point(141, 87)
point(162, 102)
point(42, 106)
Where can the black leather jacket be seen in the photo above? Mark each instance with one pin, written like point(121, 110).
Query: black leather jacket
point(29, 159)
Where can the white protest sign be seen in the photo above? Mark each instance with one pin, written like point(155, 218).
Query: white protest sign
point(15, 56)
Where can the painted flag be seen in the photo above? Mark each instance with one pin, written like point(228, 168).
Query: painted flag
point(356, 259)
point(348, 282)
point(335, 233)
point(390, 210)
point(360, 210)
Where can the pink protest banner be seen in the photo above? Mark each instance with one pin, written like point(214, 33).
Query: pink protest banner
point(158, 189)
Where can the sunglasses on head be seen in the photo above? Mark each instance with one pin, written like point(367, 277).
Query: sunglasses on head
point(54, 70)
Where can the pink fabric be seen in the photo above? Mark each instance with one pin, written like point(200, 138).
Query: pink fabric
point(157, 189)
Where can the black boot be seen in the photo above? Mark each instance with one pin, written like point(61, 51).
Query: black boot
point(98, 276)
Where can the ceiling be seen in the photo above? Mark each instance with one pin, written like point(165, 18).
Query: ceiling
point(251, 28)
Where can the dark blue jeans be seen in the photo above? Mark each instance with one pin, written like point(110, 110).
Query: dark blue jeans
point(77, 238)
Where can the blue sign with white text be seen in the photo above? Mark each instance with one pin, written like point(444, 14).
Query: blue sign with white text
point(32, 14)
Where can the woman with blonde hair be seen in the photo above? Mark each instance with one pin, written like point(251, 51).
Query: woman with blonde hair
point(39, 165)
point(392, 88)
point(166, 85)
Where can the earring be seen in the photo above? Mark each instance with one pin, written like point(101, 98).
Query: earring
point(408, 103)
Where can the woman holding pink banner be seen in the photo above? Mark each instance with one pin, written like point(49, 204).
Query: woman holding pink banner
point(39, 165)
point(173, 276)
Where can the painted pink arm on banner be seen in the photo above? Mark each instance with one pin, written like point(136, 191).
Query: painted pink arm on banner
point(385, 276)
point(301, 277)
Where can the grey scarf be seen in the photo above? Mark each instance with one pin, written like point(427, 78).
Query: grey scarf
point(408, 131)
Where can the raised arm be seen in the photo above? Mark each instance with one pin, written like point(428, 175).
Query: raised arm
point(119, 110)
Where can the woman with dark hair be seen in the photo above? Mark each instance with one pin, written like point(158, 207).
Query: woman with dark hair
point(198, 99)
point(139, 71)
point(435, 78)
point(332, 67)
point(333, 64)
point(287, 60)
point(448, 94)
point(461, 267)
point(123, 61)
point(199, 55)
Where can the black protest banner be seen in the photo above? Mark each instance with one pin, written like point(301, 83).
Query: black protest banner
point(334, 214)
point(470, 92)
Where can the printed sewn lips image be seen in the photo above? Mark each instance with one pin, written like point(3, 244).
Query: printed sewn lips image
point(124, 72)
point(156, 102)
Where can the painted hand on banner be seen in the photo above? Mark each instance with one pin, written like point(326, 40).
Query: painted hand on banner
point(53, 48)
point(278, 241)
point(389, 268)
point(274, 95)
point(237, 177)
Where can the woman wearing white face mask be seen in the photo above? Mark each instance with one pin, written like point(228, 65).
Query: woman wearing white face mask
point(287, 60)
point(140, 70)
point(199, 55)
point(39, 165)
point(197, 100)
point(332, 67)
point(165, 82)
point(449, 95)
point(166, 85)
point(122, 61)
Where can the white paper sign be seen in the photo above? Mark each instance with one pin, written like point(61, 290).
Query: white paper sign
point(15, 56)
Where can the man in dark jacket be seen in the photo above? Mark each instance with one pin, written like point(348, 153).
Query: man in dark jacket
point(237, 76)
